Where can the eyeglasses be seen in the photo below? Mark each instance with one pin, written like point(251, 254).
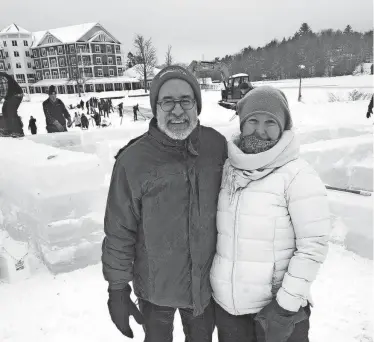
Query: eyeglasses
point(169, 104)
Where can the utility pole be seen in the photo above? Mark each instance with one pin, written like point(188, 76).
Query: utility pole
point(301, 67)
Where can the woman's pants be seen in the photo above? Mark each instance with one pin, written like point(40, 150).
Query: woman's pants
point(244, 328)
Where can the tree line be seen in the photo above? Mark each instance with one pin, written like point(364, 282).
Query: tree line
point(312, 54)
point(325, 53)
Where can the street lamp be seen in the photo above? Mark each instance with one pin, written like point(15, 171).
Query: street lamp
point(301, 67)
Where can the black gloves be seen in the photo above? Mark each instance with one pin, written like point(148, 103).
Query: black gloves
point(121, 307)
point(368, 114)
point(278, 323)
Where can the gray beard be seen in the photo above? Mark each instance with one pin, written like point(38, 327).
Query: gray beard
point(177, 135)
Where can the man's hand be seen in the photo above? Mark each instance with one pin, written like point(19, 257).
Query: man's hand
point(368, 114)
point(278, 323)
point(58, 125)
point(121, 307)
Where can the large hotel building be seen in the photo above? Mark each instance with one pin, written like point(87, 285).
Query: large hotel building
point(85, 56)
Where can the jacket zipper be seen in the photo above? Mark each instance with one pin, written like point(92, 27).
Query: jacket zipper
point(235, 250)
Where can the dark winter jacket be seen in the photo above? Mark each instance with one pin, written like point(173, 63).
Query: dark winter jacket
point(13, 88)
point(160, 220)
point(55, 111)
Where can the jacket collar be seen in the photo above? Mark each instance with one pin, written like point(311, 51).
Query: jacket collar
point(191, 143)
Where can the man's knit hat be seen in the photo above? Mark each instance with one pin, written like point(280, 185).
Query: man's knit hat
point(169, 73)
point(51, 90)
point(269, 100)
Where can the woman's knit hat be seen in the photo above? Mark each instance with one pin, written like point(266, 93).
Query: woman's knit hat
point(269, 100)
point(169, 73)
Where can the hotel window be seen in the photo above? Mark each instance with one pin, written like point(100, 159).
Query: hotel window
point(18, 65)
point(14, 43)
point(43, 52)
point(47, 75)
point(54, 74)
point(100, 72)
point(111, 72)
point(16, 54)
point(27, 53)
point(71, 48)
point(53, 63)
point(73, 61)
point(59, 50)
point(120, 73)
point(25, 43)
point(108, 48)
point(29, 65)
point(98, 60)
point(63, 74)
point(62, 62)
point(20, 78)
point(118, 60)
point(6, 54)
point(35, 53)
point(118, 50)
point(38, 75)
point(4, 42)
point(1, 66)
point(45, 64)
point(110, 60)
point(37, 64)
point(51, 51)
point(97, 48)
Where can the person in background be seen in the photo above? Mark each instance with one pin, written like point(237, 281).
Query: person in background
point(273, 226)
point(56, 114)
point(77, 120)
point(135, 110)
point(160, 219)
point(245, 88)
point(32, 125)
point(88, 107)
point(97, 118)
point(12, 94)
point(370, 108)
point(84, 121)
point(82, 104)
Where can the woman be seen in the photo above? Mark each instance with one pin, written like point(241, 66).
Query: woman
point(273, 226)
point(13, 95)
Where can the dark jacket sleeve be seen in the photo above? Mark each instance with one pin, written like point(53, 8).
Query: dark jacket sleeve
point(66, 112)
point(120, 227)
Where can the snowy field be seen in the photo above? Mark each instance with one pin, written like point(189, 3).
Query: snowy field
point(63, 214)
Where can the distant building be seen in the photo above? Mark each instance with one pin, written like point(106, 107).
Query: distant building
point(87, 53)
point(17, 61)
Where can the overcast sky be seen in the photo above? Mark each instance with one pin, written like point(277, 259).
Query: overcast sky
point(194, 28)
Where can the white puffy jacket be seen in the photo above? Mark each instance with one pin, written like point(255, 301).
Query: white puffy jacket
point(273, 227)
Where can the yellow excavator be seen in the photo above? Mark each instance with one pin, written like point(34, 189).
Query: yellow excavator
point(231, 94)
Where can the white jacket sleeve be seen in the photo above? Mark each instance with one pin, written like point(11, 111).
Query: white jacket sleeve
point(310, 215)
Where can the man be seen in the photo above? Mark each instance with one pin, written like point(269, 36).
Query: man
point(160, 220)
point(12, 94)
point(245, 88)
point(55, 113)
point(32, 125)
point(135, 110)
point(370, 108)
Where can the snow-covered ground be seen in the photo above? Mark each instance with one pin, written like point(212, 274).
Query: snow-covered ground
point(65, 213)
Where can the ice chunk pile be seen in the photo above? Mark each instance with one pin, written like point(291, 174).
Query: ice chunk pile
point(56, 198)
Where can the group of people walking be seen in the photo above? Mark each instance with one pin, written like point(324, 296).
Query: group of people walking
point(230, 233)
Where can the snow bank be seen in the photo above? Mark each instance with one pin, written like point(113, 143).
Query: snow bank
point(353, 222)
point(346, 162)
point(42, 187)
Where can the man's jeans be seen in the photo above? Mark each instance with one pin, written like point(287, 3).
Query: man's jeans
point(159, 323)
point(12, 122)
point(244, 328)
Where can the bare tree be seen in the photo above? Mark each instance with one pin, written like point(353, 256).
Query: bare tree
point(76, 65)
point(168, 57)
point(145, 52)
